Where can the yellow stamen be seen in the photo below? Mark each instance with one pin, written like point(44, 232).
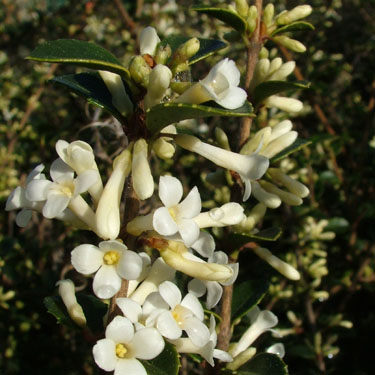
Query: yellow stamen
point(111, 257)
point(121, 350)
point(173, 212)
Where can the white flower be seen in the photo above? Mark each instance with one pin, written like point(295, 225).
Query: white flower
point(179, 315)
point(249, 167)
point(285, 104)
point(80, 157)
point(148, 41)
point(67, 294)
point(111, 261)
point(213, 288)
point(122, 347)
point(107, 217)
point(220, 85)
point(262, 321)
point(159, 80)
point(174, 216)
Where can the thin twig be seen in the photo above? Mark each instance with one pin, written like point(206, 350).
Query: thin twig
point(127, 20)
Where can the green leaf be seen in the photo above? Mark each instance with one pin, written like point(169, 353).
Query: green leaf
point(56, 307)
point(294, 26)
point(268, 88)
point(298, 144)
point(247, 295)
point(239, 239)
point(227, 16)
point(92, 87)
point(167, 363)
point(207, 46)
point(337, 225)
point(94, 310)
point(264, 364)
point(161, 115)
point(79, 52)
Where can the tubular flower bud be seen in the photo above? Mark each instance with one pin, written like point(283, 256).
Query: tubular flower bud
point(148, 41)
point(222, 139)
point(277, 145)
point(295, 14)
point(183, 53)
point(268, 199)
point(120, 98)
point(284, 268)
point(268, 14)
point(249, 167)
point(162, 146)
point(264, 321)
point(107, 215)
point(252, 18)
point(288, 198)
point(163, 53)
point(228, 214)
point(285, 104)
point(242, 358)
point(80, 157)
point(292, 44)
point(140, 70)
point(255, 216)
point(291, 184)
point(143, 182)
point(67, 294)
point(159, 80)
point(220, 85)
point(242, 7)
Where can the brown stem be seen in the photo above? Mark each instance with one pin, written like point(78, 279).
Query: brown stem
point(127, 20)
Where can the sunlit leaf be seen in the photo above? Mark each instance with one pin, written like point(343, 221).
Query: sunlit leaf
point(227, 16)
point(161, 115)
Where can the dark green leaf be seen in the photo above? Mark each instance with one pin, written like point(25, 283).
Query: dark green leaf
point(294, 26)
point(268, 88)
point(264, 364)
point(337, 225)
point(164, 114)
point(298, 144)
point(56, 307)
point(239, 239)
point(207, 46)
point(225, 15)
point(78, 52)
point(167, 363)
point(247, 295)
point(94, 310)
point(92, 87)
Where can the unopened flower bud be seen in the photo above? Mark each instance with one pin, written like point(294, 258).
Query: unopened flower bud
point(183, 53)
point(288, 198)
point(140, 70)
point(241, 358)
point(279, 144)
point(143, 182)
point(159, 81)
point(148, 41)
point(260, 137)
point(283, 71)
point(268, 14)
point(163, 53)
point(292, 185)
point(255, 216)
point(107, 217)
point(268, 199)
point(222, 139)
point(292, 44)
point(284, 268)
point(252, 18)
point(293, 15)
point(285, 104)
point(242, 7)
point(67, 294)
point(120, 98)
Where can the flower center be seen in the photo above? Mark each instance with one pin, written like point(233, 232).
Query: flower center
point(180, 313)
point(173, 211)
point(121, 350)
point(111, 257)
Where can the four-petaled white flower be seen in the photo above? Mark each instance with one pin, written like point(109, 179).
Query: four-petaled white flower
point(63, 188)
point(220, 85)
point(111, 261)
point(121, 348)
point(174, 216)
point(173, 314)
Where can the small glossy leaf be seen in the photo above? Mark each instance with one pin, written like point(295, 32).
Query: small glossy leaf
point(298, 144)
point(94, 310)
point(167, 363)
point(207, 46)
point(337, 225)
point(78, 52)
point(264, 364)
point(247, 295)
point(56, 307)
point(294, 26)
point(266, 89)
point(239, 239)
point(90, 86)
point(227, 16)
point(161, 115)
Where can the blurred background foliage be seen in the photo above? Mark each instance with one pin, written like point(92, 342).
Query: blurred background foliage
point(328, 318)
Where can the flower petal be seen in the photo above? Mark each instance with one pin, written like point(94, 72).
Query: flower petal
point(189, 231)
point(191, 302)
point(196, 330)
point(214, 293)
point(37, 190)
point(120, 330)
point(55, 205)
point(106, 282)
point(197, 287)
point(204, 245)
point(170, 190)
point(147, 343)
point(84, 181)
point(131, 309)
point(191, 206)
point(167, 326)
point(232, 98)
point(59, 169)
point(104, 352)
point(23, 217)
point(170, 293)
point(86, 259)
point(163, 222)
point(130, 265)
point(127, 366)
